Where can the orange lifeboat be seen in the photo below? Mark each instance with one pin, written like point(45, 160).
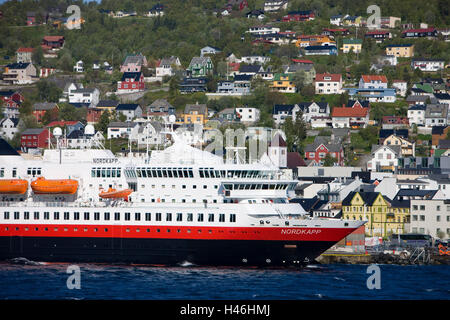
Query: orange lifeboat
point(115, 194)
point(13, 186)
point(55, 186)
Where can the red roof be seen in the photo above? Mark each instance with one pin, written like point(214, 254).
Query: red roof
point(370, 78)
point(234, 66)
point(333, 77)
point(420, 30)
point(53, 38)
point(302, 61)
point(335, 30)
point(25, 50)
point(61, 124)
point(349, 112)
point(377, 32)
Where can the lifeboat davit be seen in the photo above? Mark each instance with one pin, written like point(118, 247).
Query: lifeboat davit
point(13, 186)
point(54, 186)
point(115, 194)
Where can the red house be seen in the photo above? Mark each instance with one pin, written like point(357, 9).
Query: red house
point(35, 138)
point(299, 16)
point(31, 19)
point(93, 115)
point(318, 150)
point(11, 102)
point(52, 42)
point(131, 82)
point(397, 120)
point(39, 109)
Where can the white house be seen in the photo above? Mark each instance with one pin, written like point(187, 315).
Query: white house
point(248, 114)
point(436, 115)
point(373, 82)
point(130, 110)
point(327, 83)
point(282, 111)
point(165, 67)
point(149, 133)
point(337, 19)
point(77, 139)
point(416, 115)
point(400, 86)
point(121, 129)
point(277, 151)
point(89, 96)
point(255, 59)
point(209, 50)
point(78, 67)
point(384, 158)
point(9, 127)
point(428, 65)
point(431, 217)
point(263, 29)
point(275, 5)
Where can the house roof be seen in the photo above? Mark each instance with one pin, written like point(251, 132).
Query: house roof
point(282, 107)
point(349, 112)
point(243, 77)
point(25, 50)
point(399, 45)
point(385, 133)
point(61, 123)
point(107, 103)
point(158, 103)
point(395, 149)
point(200, 108)
point(444, 144)
point(304, 106)
point(15, 121)
point(127, 106)
point(131, 75)
point(251, 68)
point(278, 141)
point(333, 77)
point(326, 141)
point(436, 110)
point(370, 78)
point(368, 197)
point(352, 41)
point(294, 160)
point(33, 131)
point(362, 103)
point(417, 107)
point(41, 106)
point(419, 30)
point(200, 60)
point(416, 193)
point(137, 59)
point(302, 61)
point(53, 38)
point(18, 65)
point(439, 130)
point(127, 124)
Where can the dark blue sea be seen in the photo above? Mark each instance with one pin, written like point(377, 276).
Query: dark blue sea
point(338, 281)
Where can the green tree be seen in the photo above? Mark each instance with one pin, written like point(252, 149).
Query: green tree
point(329, 160)
point(295, 132)
point(102, 124)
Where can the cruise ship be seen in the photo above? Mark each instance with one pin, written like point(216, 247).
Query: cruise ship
point(175, 206)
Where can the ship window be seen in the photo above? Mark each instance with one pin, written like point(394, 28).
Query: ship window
point(159, 173)
point(16, 215)
point(55, 215)
point(179, 217)
point(138, 171)
point(106, 216)
point(108, 173)
point(158, 216)
point(26, 215)
point(148, 216)
point(200, 217)
point(185, 173)
point(190, 217)
point(6, 215)
point(86, 216)
point(154, 173)
point(168, 216)
point(118, 172)
point(76, 216)
point(205, 186)
point(232, 217)
point(103, 172)
point(221, 217)
point(211, 217)
point(183, 186)
point(191, 173)
point(46, 215)
point(201, 173)
point(137, 216)
point(180, 173)
point(175, 173)
point(113, 172)
point(96, 215)
point(169, 173)
point(194, 187)
point(116, 216)
point(127, 216)
point(98, 173)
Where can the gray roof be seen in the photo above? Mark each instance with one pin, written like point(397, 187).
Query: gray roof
point(200, 60)
point(436, 110)
point(200, 108)
point(127, 124)
point(107, 103)
point(168, 61)
point(33, 131)
point(161, 103)
point(299, 67)
point(44, 106)
point(134, 59)
point(326, 141)
point(395, 149)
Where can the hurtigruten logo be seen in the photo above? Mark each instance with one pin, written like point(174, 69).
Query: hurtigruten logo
point(301, 231)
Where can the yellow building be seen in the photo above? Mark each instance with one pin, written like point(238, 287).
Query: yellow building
point(384, 216)
point(195, 113)
point(407, 148)
point(282, 82)
point(354, 45)
point(400, 50)
point(314, 40)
